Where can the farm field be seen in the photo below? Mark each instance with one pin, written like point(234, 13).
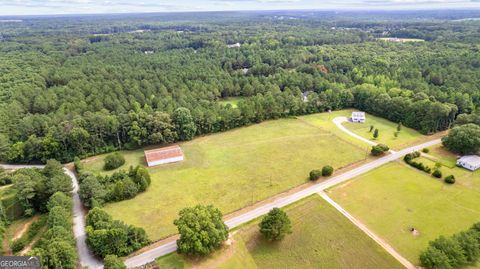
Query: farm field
point(321, 238)
point(231, 170)
point(407, 137)
point(395, 198)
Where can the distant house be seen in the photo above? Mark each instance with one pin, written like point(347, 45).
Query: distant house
point(163, 155)
point(236, 45)
point(305, 96)
point(470, 162)
point(358, 116)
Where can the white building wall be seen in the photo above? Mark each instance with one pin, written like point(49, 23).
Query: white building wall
point(164, 161)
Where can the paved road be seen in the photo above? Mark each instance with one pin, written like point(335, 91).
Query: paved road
point(85, 255)
point(367, 231)
point(167, 248)
point(339, 120)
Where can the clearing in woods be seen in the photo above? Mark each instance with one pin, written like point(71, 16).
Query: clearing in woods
point(231, 170)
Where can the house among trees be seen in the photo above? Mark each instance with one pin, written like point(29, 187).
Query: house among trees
point(305, 96)
point(163, 155)
point(358, 116)
point(236, 45)
point(470, 162)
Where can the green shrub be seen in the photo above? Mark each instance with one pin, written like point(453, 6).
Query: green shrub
point(450, 179)
point(114, 161)
point(425, 150)
point(315, 174)
point(113, 262)
point(379, 149)
point(106, 236)
point(78, 164)
point(18, 244)
point(327, 171)
point(437, 173)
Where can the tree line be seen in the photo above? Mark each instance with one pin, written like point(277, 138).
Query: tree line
point(96, 190)
point(74, 94)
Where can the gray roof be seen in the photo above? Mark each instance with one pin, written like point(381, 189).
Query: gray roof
point(358, 114)
point(473, 160)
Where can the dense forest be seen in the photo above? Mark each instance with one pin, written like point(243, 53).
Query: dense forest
point(79, 86)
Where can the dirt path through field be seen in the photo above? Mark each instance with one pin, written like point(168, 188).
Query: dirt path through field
point(367, 231)
point(24, 228)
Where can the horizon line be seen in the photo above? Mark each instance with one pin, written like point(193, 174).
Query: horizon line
point(352, 9)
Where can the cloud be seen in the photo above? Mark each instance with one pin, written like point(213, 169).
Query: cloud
point(10, 7)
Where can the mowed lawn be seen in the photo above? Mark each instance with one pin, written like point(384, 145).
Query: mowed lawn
point(321, 238)
point(395, 198)
point(406, 137)
point(231, 170)
point(233, 101)
point(386, 129)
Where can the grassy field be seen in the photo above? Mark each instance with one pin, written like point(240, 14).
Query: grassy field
point(444, 156)
point(10, 204)
point(233, 101)
point(231, 170)
point(401, 39)
point(321, 238)
point(395, 198)
point(406, 137)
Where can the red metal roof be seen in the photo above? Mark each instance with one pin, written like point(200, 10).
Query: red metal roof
point(163, 153)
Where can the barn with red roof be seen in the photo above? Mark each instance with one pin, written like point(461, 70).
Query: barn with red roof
point(163, 155)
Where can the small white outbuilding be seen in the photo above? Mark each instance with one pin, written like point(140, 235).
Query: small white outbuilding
point(358, 116)
point(470, 162)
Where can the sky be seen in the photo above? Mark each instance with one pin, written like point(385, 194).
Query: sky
point(48, 7)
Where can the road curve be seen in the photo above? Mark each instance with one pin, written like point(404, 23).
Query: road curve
point(338, 122)
point(152, 254)
point(85, 255)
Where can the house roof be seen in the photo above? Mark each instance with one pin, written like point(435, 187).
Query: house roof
point(473, 160)
point(163, 153)
point(358, 114)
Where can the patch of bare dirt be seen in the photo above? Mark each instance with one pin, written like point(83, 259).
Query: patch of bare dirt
point(24, 228)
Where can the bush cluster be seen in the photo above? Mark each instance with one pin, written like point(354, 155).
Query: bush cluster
point(437, 173)
point(113, 161)
point(409, 159)
point(410, 156)
point(57, 247)
point(121, 185)
point(5, 178)
point(379, 149)
point(113, 262)
point(106, 236)
point(315, 174)
point(450, 179)
point(326, 171)
point(456, 251)
point(420, 166)
point(35, 186)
